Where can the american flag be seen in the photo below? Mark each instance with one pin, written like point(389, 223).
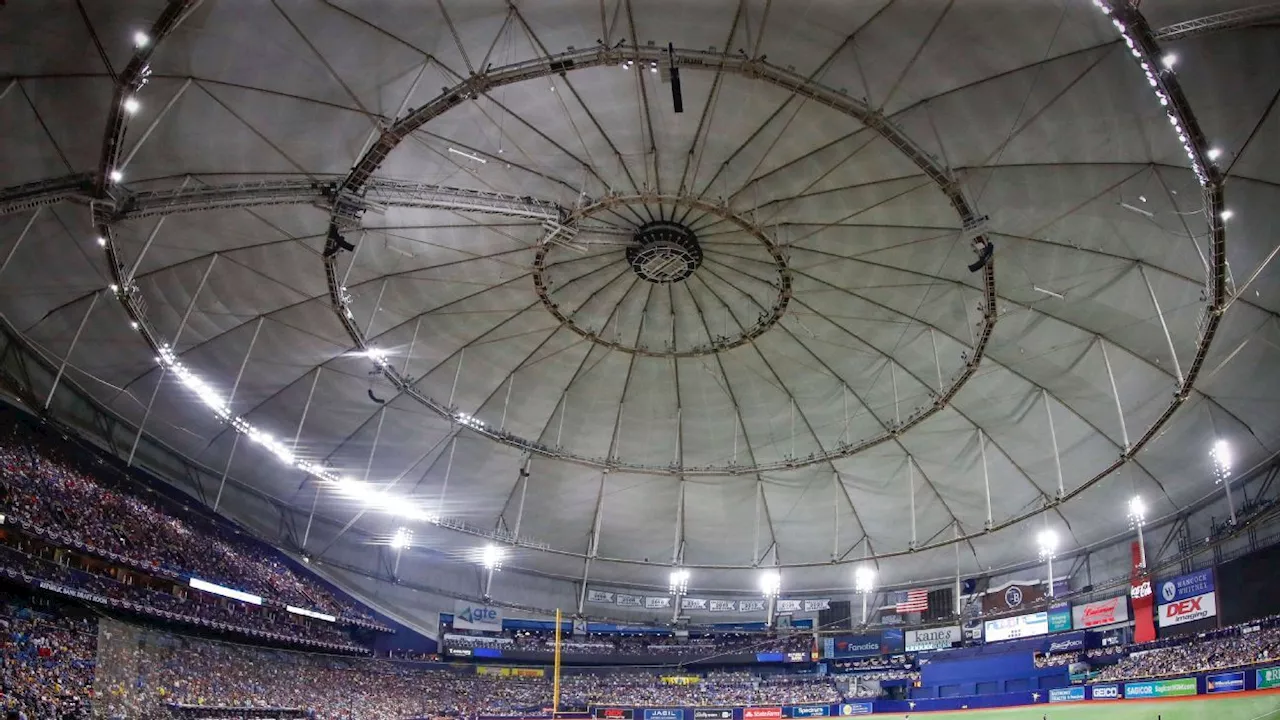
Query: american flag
point(911, 601)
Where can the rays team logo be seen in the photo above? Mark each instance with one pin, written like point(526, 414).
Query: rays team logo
point(1169, 591)
point(1013, 596)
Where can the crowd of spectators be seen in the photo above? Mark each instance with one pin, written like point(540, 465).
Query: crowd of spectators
point(648, 644)
point(203, 611)
point(61, 494)
point(1228, 648)
point(46, 662)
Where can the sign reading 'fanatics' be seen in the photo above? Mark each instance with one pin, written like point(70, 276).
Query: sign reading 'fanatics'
point(932, 639)
point(1187, 610)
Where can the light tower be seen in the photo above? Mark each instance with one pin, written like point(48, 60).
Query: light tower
point(1048, 542)
point(1137, 515)
point(770, 587)
point(1221, 455)
point(401, 540)
point(864, 581)
point(677, 586)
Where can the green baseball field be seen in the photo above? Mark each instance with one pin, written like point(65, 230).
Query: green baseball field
point(1243, 706)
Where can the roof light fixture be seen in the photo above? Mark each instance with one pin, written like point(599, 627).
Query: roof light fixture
point(864, 579)
point(402, 539)
point(141, 39)
point(678, 583)
point(131, 105)
point(1213, 153)
point(770, 583)
point(116, 176)
point(102, 242)
point(1169, 60)
point(1226, 215)
point(491, 557)
point(1047, 540)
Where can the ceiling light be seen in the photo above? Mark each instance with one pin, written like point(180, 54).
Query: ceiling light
point(1222, 455)
point(1169, 60)
point(102, 242)
point(1213, 153)
point(864, 578)
point(116, 176)
point(491, 557)
point(114, 287)
point(678, 582)
point(402, 539)
point(141, 40)
point(133, 324)
point(1048, 541)
point(1226, 215)
point(468, 155)
point(131, 105)
point(770, 583)
point(1137, 509)
point(1050, 293)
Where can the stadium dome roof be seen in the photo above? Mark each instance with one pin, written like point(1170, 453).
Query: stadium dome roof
point(738, 335)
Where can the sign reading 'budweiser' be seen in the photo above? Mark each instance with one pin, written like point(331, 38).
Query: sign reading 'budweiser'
point(1103, 612)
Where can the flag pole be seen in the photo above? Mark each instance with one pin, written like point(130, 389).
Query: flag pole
point(555, 673)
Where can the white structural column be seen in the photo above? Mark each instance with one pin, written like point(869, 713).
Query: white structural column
point(593, 545)
point(937, 364)
point(235, 441)
point(1053, 438)
point(677, 555)
point(1115, 393)
point(893, 377)
point(21, 236)
point(986, 478)
point(511, 381)
point(462, 355)
point(1177, 367)
point(911, 498)
point(62, 368)
point(524, 492)
point(164, 369)
point(955, 535)
point(448, 470)
point(306, 534)
point(835, 515)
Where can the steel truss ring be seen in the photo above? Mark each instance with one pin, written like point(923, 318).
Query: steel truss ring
point(722, 211)
point(135, 306)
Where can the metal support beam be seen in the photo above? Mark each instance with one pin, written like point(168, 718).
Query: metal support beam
point(21, 236)
point(306, 408)
point(937, 364)
point(986, 478)
point(164, 370)
point(462, 355)
point(62, 368)
point(306, 534)
point(835, 515)
point(222, 484)
point(1177, 367)
point(1115, 393)
point(897, 411)
point(911, 498)
point(231, 399)
point(593, 544)
point(524, 491)
point(1053, 437)
point(511, 381)
point(955, 535)
point(152, 126)
point(448, 469)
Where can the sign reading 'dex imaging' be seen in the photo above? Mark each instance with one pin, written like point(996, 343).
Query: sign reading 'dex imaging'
point(1224, 682)
point(1185, 586)
point(664, 714)
point(1188, 610)
point(808, 711)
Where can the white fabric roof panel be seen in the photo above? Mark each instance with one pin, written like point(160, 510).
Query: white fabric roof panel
point(1045, 119)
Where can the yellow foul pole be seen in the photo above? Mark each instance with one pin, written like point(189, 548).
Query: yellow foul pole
point(555, 673)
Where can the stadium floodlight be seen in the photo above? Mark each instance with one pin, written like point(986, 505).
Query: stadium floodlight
point(1221, 454)
point(491, 557)
point(1047, 540)
point(131, 105)
point(402, 538)
point(141, 39)
point(116, 176)
point(864, 578)
point(678, 582)
point(1137, 514)
point(770, 583)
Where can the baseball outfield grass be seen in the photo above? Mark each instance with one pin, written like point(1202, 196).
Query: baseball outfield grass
point(1242, 706)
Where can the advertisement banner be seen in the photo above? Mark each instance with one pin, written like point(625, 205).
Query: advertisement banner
point(1188, 610)
point(784, 606)
point(599, 596)
point(1065, 643)
point(808, 711)
point(723, 605)
point(932, 639)
point(664, 714)
point(1059, 617)
point(614, 713)
point(1020, 626)
point(1224, 682)
point(712, 714)
point(751, 606)
point(1011, 597)
point(1144, 628)
point(858, 708)
point(693, 603)
point(845, 646)
point(892, 640)
point(1186, 586)
point(1068, 694)
point(656, 602)
point(816, 605)
point(1103, 612)
point(625, 600)
point(1106, 692)
point(1268, 677)
point(473, 616)
point(1160, 688)
point(761, 713)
